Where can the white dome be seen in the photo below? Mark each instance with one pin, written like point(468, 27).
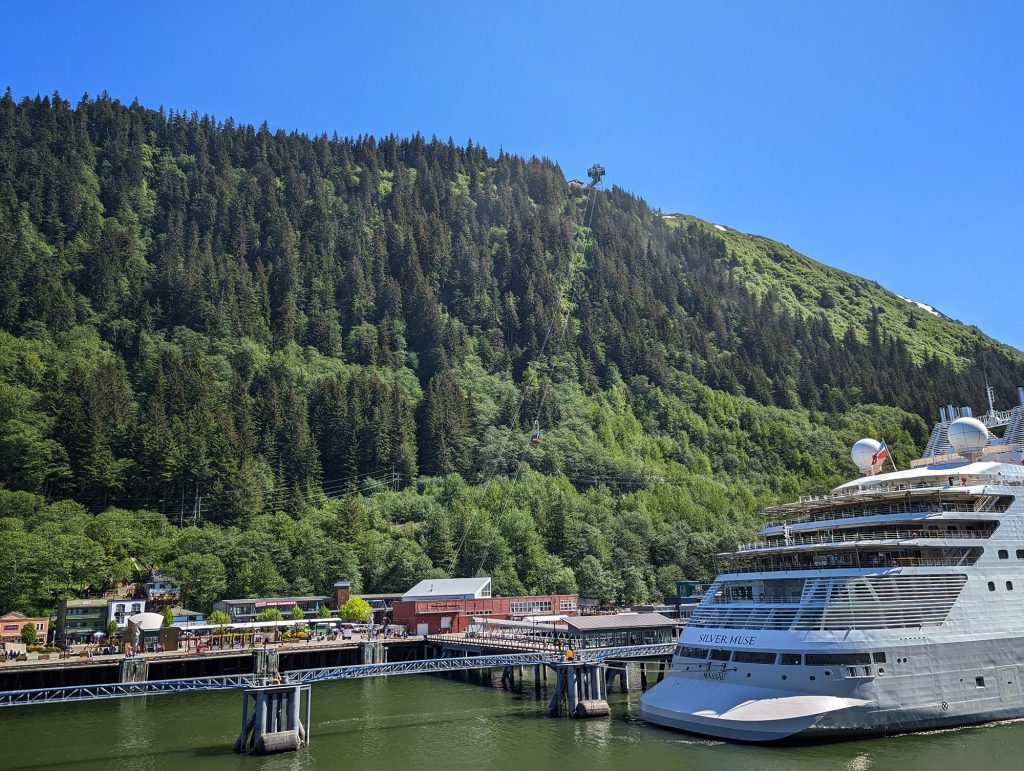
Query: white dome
point(147, 621)
point(863, 452)
point(968, 435)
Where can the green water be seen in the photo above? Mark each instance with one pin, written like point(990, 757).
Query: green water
point(424, 723)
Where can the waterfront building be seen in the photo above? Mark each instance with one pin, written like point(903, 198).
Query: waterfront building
point(118, 610)
point(247, 609)
point(450, 605)
point(79, 620)
point(185, 618)
point(622, 629)
point(11, 625)
point(576, 632)
point(382, 606)
point(142, 630)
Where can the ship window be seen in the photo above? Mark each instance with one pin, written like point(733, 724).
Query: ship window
point(980, 682)
point(991, 586)
point(693, 653)
point(719, 654)
point(1009, 586)
point(836, 659)
point(754, 657)
point(1020, 554)
point(790, 658)
point(1003, 554)
point(879, 657)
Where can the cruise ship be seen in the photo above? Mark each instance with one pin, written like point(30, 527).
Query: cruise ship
point(895, 603)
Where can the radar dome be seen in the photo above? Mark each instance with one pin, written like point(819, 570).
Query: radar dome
point(864, 451)
point(968, 435)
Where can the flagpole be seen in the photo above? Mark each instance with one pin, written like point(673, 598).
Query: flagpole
point(888, 452)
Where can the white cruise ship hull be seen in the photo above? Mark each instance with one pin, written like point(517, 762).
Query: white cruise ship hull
point(741, 712)
point(924, 686)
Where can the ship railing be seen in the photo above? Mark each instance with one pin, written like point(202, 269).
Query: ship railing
point(896, 562)
point(844, 537)
point(757, 599)
point(934, 484)
point(889, 509)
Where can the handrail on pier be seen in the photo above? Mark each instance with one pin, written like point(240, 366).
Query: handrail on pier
point(320, 674)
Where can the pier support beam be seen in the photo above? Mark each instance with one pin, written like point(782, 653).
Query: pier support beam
point(266, 663)
point(580, 691)
point(134, 670)
point(275, 721)
point(372, 652)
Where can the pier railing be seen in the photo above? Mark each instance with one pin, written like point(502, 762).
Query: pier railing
point(320, 674)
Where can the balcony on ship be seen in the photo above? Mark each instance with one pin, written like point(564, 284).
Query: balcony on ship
point(898, 534)
point(805, 514)
point(847, 556)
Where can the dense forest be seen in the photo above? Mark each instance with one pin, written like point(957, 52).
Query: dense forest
point(263, 361)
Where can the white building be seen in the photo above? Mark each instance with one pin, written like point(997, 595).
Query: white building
point(119, 610)
point(450, 589)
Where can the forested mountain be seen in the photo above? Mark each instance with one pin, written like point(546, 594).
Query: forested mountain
point(265, 361)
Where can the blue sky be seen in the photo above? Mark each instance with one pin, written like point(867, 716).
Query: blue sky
point(883, 138)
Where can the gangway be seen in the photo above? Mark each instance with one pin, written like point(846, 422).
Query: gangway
point(75, 693)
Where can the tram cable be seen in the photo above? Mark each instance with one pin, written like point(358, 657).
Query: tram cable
point(576, 258)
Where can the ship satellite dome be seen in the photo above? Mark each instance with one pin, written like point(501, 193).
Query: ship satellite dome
point(968, 435)
point(863, 451)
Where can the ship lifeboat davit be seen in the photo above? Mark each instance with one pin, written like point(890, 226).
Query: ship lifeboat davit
point(742, 712)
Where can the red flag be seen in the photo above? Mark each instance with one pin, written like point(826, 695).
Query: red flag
point(881, 455)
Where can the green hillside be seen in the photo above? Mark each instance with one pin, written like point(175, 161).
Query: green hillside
point(263, 361)
point(806, 287)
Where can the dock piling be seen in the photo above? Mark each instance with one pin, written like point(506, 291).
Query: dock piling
point(274, 724)
point(582, 688)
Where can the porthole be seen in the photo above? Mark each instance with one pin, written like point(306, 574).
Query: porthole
point(1003, 554)
point(881, 670)
point(979, 682)
point(991, 586)
point(812, 677)
point(828, 673)
point(785, 677)
point(748, 674)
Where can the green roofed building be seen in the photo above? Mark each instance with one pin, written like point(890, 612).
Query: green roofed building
point(80, 620)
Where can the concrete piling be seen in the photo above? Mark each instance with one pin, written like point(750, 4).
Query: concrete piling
point(275, 722)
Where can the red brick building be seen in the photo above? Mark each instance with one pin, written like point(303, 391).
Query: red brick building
point(450, 604)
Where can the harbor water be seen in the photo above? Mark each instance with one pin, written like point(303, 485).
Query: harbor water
point(421, 723)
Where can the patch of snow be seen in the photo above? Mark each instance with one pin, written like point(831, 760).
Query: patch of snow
point(924, 307)
point(719, 227)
